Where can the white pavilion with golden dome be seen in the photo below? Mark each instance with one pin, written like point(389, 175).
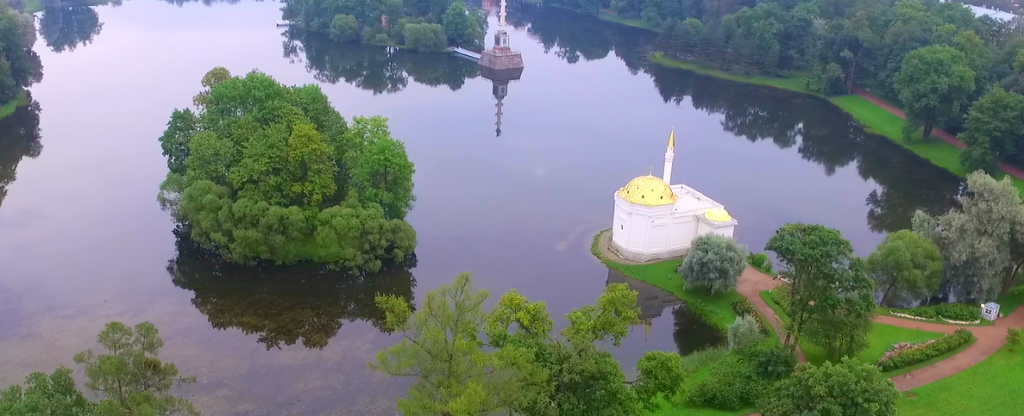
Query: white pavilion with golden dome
point(655, 220)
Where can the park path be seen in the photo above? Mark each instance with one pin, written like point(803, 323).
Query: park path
point(946, 137)
point(989, 338)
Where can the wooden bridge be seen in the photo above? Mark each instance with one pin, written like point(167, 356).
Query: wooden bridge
point(465, 53)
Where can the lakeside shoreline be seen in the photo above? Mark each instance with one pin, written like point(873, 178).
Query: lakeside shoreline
point(9, 107)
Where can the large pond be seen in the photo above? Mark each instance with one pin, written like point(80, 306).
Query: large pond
point(83, 240)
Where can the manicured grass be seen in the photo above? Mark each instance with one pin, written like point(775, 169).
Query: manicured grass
point(992, 387)
point(610, 16)
point(792, 83)
point(1011, 301)
point(879, 340)
point(872, 117)
point(888, 312)
point(32, 6)
point(9, 107)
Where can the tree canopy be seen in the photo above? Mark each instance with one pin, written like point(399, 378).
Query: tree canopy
point(267, 172)
point(466, 360)
point(713, 262)
point(905, 267)
point(933, 83)
point(849, 388)
point(20, 67)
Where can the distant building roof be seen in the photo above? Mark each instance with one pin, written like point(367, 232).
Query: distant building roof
point(995, 14)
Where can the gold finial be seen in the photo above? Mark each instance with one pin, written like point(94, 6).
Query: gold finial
point(672, 138)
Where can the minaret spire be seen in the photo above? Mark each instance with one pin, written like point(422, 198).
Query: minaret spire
point(501, 15)
point(670, 154)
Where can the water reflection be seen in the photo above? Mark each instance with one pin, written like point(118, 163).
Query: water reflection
point(19, 138)
point(822, 134)
point(283, 305)
point(64, 29)
point(373, 68)
point(693, 333)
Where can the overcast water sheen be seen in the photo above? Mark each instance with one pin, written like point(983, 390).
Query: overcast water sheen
point(83, 240)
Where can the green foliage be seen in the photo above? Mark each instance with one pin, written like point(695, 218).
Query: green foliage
point(933, 83)
point(774, 363)
point(981, 243)
point(744, 333)
point(951, 311)
point(905, 266)
point(54, 394)
point(20, 67)
point(519, 366)
point(994, 129)
point(659, 372)
point(703, 358)
point(713, 262)
point(345, 28)
point(760, 261)
point(132, 380)
point(940, 346)
point(425, 37)
point(743, 307)
point(259, 174)
point(462, 26)
point(731, 385)
point(849, 388)
point(1014, 338)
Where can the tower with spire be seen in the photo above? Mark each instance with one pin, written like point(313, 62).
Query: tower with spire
point(670, 154)
point(500, 64)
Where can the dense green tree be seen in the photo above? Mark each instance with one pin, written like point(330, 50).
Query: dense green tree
point(130, 377)
point(713, 262)
point(982, 243)
point(933, 83)
point(994, 130)
point(905, 266)
point(19, 65)
point(461, 26)
point(425, 37)
point(345, 28)
point(265, 171)
point(54, 394)
point(827, 281)
point(849, 388)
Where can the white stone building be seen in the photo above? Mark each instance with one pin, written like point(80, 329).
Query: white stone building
point(654, 220)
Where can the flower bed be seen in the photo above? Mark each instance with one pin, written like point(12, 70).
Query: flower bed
point(903, 315)
point(905, 354)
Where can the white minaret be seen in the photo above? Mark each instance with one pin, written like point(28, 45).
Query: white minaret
point(670, 154)
point(501, 15)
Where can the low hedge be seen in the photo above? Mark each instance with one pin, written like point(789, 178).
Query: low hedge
point(952, 311)
point(944, 344)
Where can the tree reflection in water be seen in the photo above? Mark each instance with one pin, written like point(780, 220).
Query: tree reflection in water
point(283, 305)
point(64, 29)
point(19, 138)
point(379, 69)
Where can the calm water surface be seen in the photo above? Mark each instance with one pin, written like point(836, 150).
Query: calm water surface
point(83, 241)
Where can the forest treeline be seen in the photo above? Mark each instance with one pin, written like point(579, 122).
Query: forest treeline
point(947, 68)
point(20, 67)
point(422, 25)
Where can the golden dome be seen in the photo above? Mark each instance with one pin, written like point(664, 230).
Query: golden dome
point(718, 215)
point(648, 190)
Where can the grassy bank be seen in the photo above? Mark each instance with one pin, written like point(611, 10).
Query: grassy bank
point(1011, 301)
point(33, 6)
point(879, 340)
point(873, 118)
point(991, 387)
point(9, 107)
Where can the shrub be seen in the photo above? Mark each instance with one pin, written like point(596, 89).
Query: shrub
point(941, 346)
point(731, 385)
point(772, 363)
point(782, 296)
point(952, 311)
point(703, 358)
point(760, 261)
point(744, 332)
point(742, 306)
point(713, 262)
point(850, 388)
point(1014, 338)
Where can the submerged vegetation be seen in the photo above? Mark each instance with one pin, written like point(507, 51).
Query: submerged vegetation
point(267, 172)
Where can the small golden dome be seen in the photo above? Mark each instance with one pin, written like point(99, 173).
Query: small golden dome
point(648, 190)
point(718, 215)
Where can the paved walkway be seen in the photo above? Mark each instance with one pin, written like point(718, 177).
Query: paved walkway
point(948, 138)
point(989, 338)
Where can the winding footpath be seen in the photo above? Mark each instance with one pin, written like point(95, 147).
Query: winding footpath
point(989, 338)
point(946, 137)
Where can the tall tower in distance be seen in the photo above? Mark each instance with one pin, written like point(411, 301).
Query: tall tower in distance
point(670, 154)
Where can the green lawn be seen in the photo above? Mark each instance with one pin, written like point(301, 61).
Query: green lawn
point(880, 339)
point(992, 387)
point(872, 117)
point(610, 16)
point(1011, 301)
point(9, 107)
